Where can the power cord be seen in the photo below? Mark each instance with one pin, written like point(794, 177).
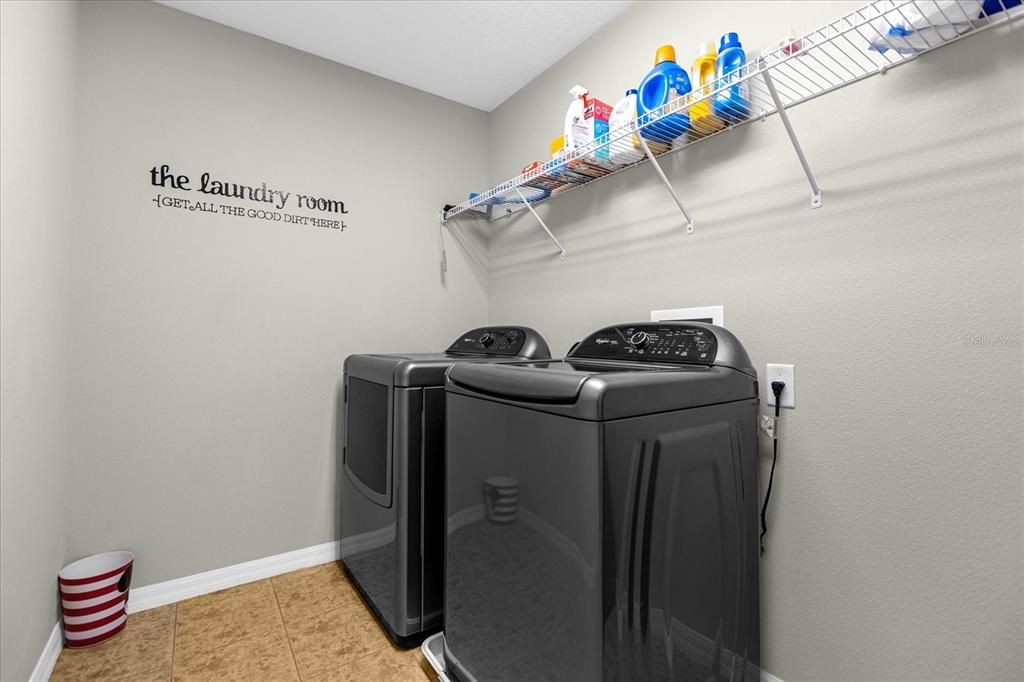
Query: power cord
point(777, 388)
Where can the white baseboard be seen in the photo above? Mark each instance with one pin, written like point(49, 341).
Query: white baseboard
point(170, 591)
point(768, 677)
point(48, 659)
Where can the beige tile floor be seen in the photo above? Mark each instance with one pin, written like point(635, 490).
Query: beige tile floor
point(305, 625)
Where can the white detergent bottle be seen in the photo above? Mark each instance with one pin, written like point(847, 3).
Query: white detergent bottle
point(626, 149)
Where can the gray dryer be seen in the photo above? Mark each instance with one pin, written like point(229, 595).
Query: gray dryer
point(392, 484)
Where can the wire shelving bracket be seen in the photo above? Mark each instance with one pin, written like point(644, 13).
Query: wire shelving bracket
point(561, 249)
point(784, 117)
point(661, 174)
point(440, 241)
point(868, 41)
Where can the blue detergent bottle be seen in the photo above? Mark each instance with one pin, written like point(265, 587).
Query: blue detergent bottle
point(666, 81)
point(990, 7)
point(732, 103)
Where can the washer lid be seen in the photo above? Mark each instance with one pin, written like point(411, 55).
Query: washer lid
point(597, 390)
point(544, 382)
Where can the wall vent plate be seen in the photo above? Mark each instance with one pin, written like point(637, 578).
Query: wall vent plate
point(711, 314)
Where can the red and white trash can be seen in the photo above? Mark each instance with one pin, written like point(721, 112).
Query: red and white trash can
point(93, 597)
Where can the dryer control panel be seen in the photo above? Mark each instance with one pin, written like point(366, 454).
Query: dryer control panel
point(491, 341)
point(662, 342)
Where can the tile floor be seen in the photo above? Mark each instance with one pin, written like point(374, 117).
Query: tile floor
point(305, 625)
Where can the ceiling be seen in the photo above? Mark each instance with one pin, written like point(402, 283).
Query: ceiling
point(477, 53)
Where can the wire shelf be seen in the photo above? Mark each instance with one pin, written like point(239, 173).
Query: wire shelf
point(881, 35)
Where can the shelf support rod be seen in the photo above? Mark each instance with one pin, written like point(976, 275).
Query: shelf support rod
point(815, 189)
point(561, 248)
point(440, 239)
point(668, 185)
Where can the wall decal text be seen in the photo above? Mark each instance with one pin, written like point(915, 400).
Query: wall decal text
point(274, 200)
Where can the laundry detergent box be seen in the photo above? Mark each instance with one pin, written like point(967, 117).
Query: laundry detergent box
point(586, 121)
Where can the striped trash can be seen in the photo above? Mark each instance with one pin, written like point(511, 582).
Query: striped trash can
point(93, 597)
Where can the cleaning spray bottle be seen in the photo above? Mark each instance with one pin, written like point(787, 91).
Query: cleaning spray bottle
point(586, 121)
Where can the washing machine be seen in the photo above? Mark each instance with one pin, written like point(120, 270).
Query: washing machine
point(602, 511)
point(392, 480)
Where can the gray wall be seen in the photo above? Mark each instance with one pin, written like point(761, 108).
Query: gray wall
point(208, 350)
point(205, 351)
point(36, 111)
point(895, 541)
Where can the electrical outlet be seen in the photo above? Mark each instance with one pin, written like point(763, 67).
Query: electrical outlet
point(784, 373)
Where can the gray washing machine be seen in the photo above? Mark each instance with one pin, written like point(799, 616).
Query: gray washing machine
point(602, 511)
point(392, 485)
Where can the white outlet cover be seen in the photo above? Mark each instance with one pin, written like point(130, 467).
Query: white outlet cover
point(784, 373)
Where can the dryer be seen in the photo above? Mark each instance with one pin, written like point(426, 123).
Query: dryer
point(392, 482)
point(627, 548)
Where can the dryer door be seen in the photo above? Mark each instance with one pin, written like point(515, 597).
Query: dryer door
point(368, 451)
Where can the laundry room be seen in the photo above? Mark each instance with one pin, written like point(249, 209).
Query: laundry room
point(314, 364)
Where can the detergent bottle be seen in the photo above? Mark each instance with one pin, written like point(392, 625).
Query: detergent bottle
point(703, 120)
point(626, 149)
point(666, 81)
point(990, 7)
point(732, 103)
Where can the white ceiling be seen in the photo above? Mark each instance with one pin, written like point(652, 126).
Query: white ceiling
point(477, 53)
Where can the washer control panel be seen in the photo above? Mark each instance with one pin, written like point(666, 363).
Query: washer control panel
point(490, 341)
point(672, 343)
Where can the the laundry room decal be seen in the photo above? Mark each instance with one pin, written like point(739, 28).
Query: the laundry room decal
point(272, 204)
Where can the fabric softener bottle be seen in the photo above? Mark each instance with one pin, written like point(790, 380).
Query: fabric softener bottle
point(666, 81)
point(732, 103)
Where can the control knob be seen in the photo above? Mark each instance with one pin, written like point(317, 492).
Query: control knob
point(639, 340)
